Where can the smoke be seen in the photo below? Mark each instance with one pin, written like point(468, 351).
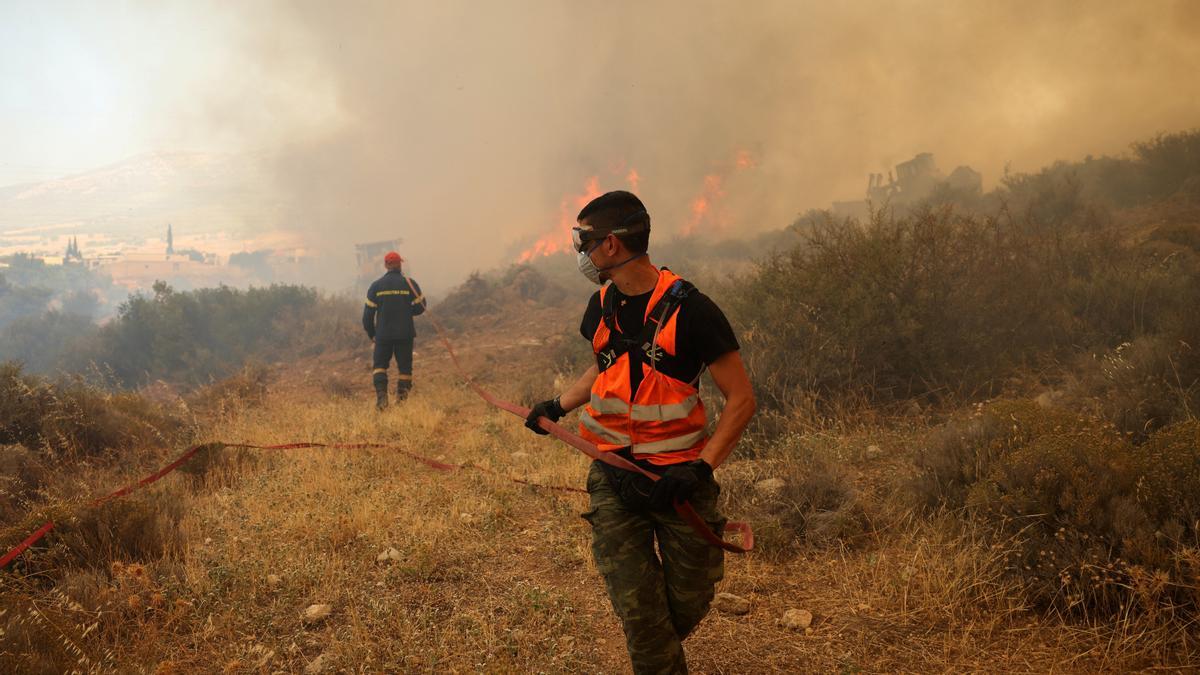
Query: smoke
point(460, 126)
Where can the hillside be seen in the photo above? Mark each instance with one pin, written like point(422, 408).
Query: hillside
point(976, 449)
point(488, 574)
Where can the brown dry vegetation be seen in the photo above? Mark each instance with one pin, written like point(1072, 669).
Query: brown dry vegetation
point(211, 571)
point(978, 451)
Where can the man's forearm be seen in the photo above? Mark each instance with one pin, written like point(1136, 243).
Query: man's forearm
point(579, 392)
point(735, 416)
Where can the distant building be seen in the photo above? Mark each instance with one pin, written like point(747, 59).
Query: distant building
point(141, 270)
point(290, 265)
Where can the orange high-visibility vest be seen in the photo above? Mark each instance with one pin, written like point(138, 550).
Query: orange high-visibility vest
point(664, 421)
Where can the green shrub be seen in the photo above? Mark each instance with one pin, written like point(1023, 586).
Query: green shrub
point(1102, 526)
point(195, 336)
point(481, 296)
point(935, 304)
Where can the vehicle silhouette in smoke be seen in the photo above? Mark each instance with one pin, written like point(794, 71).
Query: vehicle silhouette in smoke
point(913, 181)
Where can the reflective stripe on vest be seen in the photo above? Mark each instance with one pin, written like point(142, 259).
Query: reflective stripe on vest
point(608, 406)
point(604, 433)
point(670, 444)
point(665, 412)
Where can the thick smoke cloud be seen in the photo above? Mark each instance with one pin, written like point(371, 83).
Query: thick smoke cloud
point(462, 125)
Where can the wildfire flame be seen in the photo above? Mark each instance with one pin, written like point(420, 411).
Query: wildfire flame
point(712, 191)
point(632, 178)
point(559, 240)
point(705, 206)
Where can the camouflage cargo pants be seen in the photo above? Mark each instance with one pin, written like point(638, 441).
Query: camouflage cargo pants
point(659, 597)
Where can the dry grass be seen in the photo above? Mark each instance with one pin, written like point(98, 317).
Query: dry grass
point(494, 576)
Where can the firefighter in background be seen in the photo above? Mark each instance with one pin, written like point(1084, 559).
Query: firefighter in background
point(392, 302)
point(653, 335)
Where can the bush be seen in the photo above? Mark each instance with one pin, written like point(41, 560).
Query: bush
point(1159, 168)
point(241, 391)
point(944, 307)
point(75, 418)
point(1102, 526)
point(795, 493)
point(48, 342)
point(197, 335)
point(481, 296)
point(1139, 385)
point(930, 305)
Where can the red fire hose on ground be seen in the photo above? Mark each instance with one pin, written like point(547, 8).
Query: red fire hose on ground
point(684, 509)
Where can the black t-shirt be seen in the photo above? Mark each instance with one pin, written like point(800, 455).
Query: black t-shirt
point(702, 333)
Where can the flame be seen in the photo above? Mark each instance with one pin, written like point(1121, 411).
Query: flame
point(632, 178)
point(710, 193)
point(704, 206)
point(559, 240)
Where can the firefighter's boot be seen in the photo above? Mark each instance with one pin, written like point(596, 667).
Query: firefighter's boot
point(402, 388)
point(381, 393)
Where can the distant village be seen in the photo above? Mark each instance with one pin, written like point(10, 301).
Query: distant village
point(188, 268)
point(185, 267)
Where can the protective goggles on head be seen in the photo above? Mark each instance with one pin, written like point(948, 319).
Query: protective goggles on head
point(581, 237)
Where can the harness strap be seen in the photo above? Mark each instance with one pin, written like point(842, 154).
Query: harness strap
point(658, 317)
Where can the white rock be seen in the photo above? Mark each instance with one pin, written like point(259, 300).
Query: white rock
point(796, 619)
point(317, 613)
point(874, 452)
point(731, 604)
point(389, 554)
point(769, 486)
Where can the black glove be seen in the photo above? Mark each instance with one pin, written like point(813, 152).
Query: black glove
point(679, 482)
point(551, 410)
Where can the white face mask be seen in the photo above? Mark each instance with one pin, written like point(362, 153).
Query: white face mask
point(588, 268)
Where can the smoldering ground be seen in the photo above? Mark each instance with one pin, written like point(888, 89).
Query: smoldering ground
point(462, 126)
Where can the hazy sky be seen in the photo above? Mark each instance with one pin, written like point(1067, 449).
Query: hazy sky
point(481, 122)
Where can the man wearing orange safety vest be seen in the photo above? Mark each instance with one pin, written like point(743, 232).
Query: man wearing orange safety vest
point(392, 302)
point(652, 335)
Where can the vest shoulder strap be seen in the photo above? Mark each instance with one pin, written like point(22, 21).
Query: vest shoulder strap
point(608, 309)
point(662, 312)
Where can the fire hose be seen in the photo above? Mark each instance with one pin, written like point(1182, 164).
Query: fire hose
point(183, 458)
point(682, 508)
